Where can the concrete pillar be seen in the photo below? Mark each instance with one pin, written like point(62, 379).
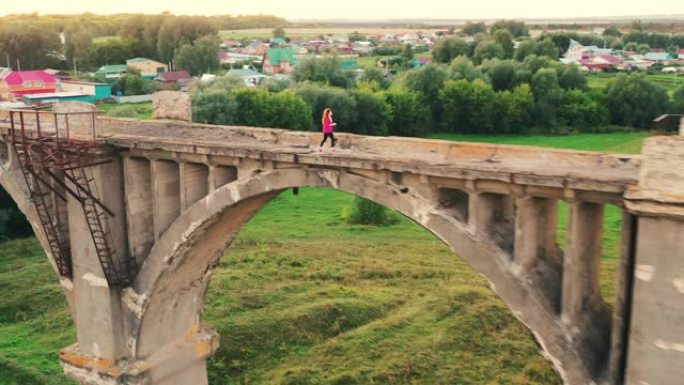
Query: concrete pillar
point(623, 302)
point(655, 350)
point(98, 314)
point(194, 182)
point(656, 345)
point(491, 216)
point(166, 194)
point(481, 212)
point(535, 232)
point(221, 175)
point(581, 264)
point(139, 213)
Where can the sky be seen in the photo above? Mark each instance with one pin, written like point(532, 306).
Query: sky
point(358, 9)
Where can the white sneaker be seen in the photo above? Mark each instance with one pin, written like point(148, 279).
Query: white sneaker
point(333, 149)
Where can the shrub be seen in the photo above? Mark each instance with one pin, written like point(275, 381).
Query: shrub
point(367, 212)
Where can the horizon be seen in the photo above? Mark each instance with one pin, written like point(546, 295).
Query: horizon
point(359, 10)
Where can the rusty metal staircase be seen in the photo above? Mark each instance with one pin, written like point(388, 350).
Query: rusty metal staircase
point(48, 157)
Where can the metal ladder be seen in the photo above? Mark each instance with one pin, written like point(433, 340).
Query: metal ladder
point(42, 194)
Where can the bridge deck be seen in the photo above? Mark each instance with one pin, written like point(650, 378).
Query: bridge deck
point(585, 170)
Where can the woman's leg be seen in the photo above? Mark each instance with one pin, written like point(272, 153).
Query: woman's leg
point(332, 139)
point(325, 137)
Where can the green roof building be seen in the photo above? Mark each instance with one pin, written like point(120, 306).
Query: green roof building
point(110, 73)
point(279, 60)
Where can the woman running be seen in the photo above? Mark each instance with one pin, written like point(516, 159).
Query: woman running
point(328, 125)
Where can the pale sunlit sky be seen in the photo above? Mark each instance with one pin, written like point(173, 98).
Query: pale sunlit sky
point(359, 9)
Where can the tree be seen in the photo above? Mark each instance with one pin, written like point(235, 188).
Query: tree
point(428, 81)
point(583, 110)
point(326, 70)
point(468, 106)
point(279, 32)
point(176, 31)
point(463, 68)
point(259, 108)
point(320, 97)
point(472, 28)
point(373, 113)
point(513, 110)
point(375, 75)
point(200, 57)
point(488, 49)
point(79, 44)
point(546, 48)
point(407, 54)
point(504, 38)
point(410, 116)
point(571, 78)
point(449, 48)
point(516, 28)
point(214, 107)
point(115, 51)
point(134, 84)
point(612, 31)
point(548, 97)
point(634, 101)
point(502, 75)
point(643, 48)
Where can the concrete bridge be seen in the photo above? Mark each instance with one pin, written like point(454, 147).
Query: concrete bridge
point(134, 216)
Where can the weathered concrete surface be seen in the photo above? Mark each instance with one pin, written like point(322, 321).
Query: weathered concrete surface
point(172, 105)
point(656, 328)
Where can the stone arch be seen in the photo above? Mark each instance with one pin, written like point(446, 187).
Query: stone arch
point(165, 303)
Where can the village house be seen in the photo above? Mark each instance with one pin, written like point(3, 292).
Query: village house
point(148, 68)
point(681, 54)
point(251, 78)
point(279, 60)
point(111, 72)
point(230, 44)
point(72, 90)
point(16, 84)
point(173, 80)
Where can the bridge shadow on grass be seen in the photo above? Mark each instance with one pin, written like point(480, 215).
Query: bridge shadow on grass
point(302, 297)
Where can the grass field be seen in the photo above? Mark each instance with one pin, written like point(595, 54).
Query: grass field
point(667, 81)
point(142, 111)
point(302, 297)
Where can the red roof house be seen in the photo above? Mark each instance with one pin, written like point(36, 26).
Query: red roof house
point(172, 78)
point(18, 83)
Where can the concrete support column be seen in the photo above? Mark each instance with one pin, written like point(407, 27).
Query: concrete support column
point(194, 182)
point(481, 212)
point(139, 213)
point(581, 264)
point(98, 314)
point(655, 349)
point(166, 194)
point(491, 216)
point(535, 232)
point(623, 303)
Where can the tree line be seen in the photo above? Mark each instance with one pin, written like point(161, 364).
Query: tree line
point(497, 96)
point(35, 42)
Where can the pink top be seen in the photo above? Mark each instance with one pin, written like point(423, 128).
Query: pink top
point(328, 125)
